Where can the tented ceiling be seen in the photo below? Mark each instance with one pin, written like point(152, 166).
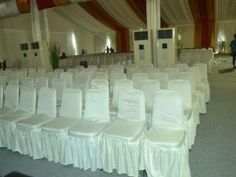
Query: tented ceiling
point(172, 11)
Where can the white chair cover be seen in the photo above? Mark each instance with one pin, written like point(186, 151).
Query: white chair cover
point(11, 100)
point(114, 77)
point(84, 137)
point(1, 96)
point(83, 85)
point(59, 84)
point(27, 82)
point(206, 87)
point(119, 87)
point(14, 82)
point(164, 150)
point(27, 107)
point(199, 87)
point(162, 77)
point(195, 99)
point(138, 78)
point(183, 87)
point(58, 71)
point(149, 88)
point(28, 131)
point(120, 142)
point(54, 133)
point(40, 82)
point(68, 77)
point(51, 76)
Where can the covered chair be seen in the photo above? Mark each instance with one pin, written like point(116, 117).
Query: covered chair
point(206, 86)
point(120, 85)
point(54, 133)
point(26, 109)
point(68, 76)
point(164, 147)
point(199, 87)
point(138, 79)
point(27, 82)
point(183, 87)
point(162, 77)
point(84, 136)
point(120, 141)
point(195, 98)
point(28, 131)
point(11, 100)
point(59, 84)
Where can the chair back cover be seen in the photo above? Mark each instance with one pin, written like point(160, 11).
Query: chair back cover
point(131, 105)
point(14, 82)
point(162, 77)
point(116, 76)
point(203, 68)
point(119, 87)
point(183, 87)
point(138, 78)
point(47, 102)
point(84, 75)
point(27, 81)
point(12, 96)
point(74, 72)
point(100, 84)
point(51, 76)
point(28, 99)
point(71, 106)
point(59, 84)
point(1, 96)
point(68, 77)
point(168, 110)
point(58, 71)
point(149, 88)
point(96, 105)
point(187, 76)
point(100, 75)
point(197, 74)
point(41, 82)
point(42, 71)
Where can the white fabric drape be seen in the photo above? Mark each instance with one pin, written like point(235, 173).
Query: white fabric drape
point(176, 11)
point(225, 10)
point(79, 17)
point(121, 11)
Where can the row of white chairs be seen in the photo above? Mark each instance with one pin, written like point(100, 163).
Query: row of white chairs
point(92, 139)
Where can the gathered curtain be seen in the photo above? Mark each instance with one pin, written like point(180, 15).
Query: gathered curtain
point(122, 34)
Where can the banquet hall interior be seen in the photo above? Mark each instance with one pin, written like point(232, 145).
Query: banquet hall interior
point(108, 88)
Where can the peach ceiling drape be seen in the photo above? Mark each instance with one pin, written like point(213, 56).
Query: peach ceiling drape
point(203, 13)
point(122, 33)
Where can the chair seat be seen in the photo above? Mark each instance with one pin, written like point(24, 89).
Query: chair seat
point(124, 129)
point(34, 121)
point(60, 124)
point(5, 110)
point(88, 128)
point(165, 136)
point(15, 116)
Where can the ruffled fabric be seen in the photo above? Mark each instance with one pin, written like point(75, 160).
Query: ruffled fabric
point(54, 146)
point(84, 152)
point(120, 155)
point(190, 128)
point(163, 161)
point(29, 141)
point(7, 135)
